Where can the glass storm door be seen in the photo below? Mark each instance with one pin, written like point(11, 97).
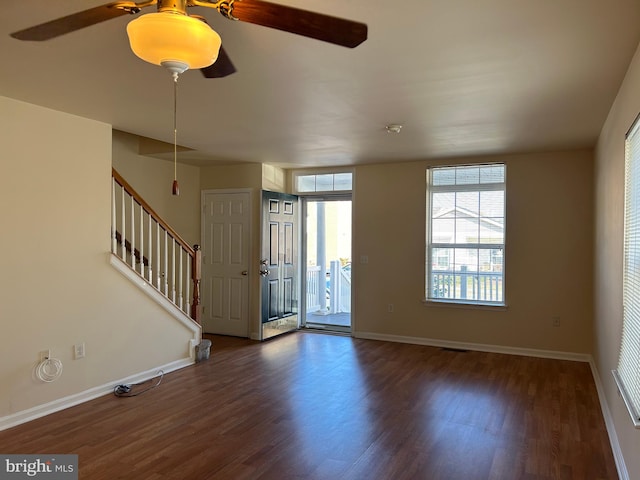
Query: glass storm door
point(327, 266)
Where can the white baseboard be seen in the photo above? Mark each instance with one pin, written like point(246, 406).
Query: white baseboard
point(623, 474)
point(81, 397)
point(480, 347)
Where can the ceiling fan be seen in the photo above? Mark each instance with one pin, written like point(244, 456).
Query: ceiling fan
point(322, 27)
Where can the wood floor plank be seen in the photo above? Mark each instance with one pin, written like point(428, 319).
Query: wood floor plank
point(312, 406)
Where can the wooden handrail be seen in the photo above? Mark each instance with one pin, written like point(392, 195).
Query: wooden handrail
point(129, 189)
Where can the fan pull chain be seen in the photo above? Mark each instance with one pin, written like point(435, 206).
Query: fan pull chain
point(175, 189)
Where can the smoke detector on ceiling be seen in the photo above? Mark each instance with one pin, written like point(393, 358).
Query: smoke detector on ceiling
point(393, 128)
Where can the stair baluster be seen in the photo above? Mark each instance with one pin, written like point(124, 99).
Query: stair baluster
point(166, 269)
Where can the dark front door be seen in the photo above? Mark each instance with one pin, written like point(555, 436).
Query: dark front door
point(279, 263)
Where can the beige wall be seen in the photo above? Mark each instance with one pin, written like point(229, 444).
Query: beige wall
point(153, 178)
point(549, 231)
point(609, 211)
point(57, 287)
point(274, 179)
point(246, 175)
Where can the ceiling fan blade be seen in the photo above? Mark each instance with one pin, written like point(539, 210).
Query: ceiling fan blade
point(302, 22)
point(71, 23)
point(221, 68)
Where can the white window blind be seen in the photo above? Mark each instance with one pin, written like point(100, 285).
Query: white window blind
point(465, 237)
point(628, 373)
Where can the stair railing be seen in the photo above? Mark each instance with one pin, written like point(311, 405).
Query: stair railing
point(154, 250)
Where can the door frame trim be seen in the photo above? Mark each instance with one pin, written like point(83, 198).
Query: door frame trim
point(223, 191)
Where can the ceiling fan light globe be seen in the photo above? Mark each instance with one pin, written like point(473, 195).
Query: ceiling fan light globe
point(171, 37)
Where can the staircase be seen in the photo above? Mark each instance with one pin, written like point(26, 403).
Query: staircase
point(144, 242)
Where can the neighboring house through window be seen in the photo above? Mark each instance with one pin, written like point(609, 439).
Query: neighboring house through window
point(465, 234)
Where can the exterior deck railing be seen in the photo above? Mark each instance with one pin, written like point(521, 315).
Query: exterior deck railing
point(335, 287)
point(464, 285)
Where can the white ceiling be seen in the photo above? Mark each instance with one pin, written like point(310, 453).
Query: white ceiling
point(464, 77)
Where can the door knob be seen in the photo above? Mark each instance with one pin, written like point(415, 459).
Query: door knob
point(245, 273)
point(264, 261)
point(264, 273)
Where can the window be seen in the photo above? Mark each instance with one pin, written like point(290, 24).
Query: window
point(628, 373)
point(465, 234)
point(325, 182)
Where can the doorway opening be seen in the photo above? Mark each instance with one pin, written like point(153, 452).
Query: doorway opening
point(327, 263)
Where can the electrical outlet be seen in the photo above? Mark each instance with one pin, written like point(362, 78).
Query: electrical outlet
point(78, 351)
point(390, 308)
point(555, 321)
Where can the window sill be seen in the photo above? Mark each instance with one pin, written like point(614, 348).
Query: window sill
point(635, 418)
point(427, 302)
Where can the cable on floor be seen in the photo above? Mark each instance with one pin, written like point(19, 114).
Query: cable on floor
point(128, 390)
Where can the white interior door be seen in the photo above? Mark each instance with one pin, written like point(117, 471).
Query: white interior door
point(225, 263)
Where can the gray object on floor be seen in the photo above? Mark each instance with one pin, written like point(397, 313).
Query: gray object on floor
point(202, 350)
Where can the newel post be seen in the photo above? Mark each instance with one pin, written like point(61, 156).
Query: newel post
point(196, 272)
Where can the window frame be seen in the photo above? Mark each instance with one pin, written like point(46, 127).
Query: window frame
point(477, 246)
point(296, 174)
point(627, 373)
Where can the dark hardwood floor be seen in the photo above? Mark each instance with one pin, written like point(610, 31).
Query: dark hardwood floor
point(313, 406)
